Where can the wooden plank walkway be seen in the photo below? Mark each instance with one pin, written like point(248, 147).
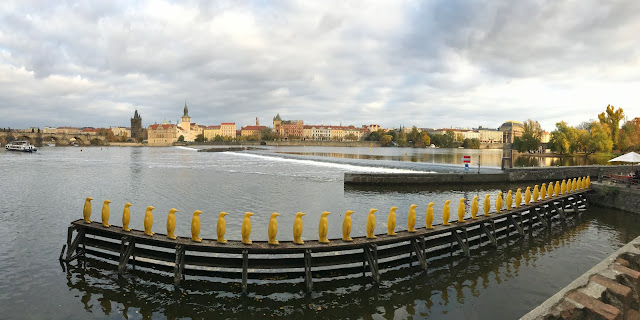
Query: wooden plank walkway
point(312, 260)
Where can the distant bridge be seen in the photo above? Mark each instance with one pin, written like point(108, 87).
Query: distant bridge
point(60, 139)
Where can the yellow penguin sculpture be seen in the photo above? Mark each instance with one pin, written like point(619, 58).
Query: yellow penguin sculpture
point(411, 218)
point(297, 228)
point(391, 221)
point(106, 212)
point(588, 182)
point(518, 198)
point(246, 228)
point(148, 221)
point(371, 224)
point(126, 217)
point(550, 190)
point(273, 229)
point(563, 187)
point(509, 200)
point(536, 194)
point(527, 196)
point(171, 224)
point(461, 210)
point(556, 189)
point(487, 205)
point(543, 191)
point(499, 202)
point(574, 185)
point(474, 208)
point(221, 229)
point(429, 217)
point(346, 226)
point(195, 226)
point(446, 213)
point(323, 227)
point(579, 183)
point(86, 211)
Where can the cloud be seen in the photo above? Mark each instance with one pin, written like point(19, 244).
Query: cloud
point(430, 64)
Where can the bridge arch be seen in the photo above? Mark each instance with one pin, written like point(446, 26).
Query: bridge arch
point(25, 137)
point(46, 139)
point(3, 141)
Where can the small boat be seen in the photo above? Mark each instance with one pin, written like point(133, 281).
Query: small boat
point(23, 146)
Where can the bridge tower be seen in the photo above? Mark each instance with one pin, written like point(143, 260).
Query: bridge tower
point(136, 126)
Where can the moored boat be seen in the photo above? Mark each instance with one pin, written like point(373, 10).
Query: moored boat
point(23, 146)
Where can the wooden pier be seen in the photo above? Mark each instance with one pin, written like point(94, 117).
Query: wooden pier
point(312, 260)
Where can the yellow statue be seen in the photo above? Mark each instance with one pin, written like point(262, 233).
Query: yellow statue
point(536, 194)
point(222, 227)
point(371, 224)
point(527, 196)
point(411, 218)
point(563, 187)
point(509, 200)
point(556, 189)
point(499, 202)
point(579, 183)
point(487, 205)
point(474, 208)
point(574, 185)
point(297, 228)
point(346, 226)
point(86, 211)
point(106, 212)
point(126, 217)
point(273, 228)
point(391, 221)
point(171, 224)
point(148, 221)
point(518, 197)
point(550, 191)
point(195, 226)
point(429, 217)
point(543, 191)
point(246, 228)
point(323, 227)
point(588, 182)
point(446, 213)
point(461, 210)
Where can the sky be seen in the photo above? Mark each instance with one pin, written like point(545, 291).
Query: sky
point(435, 64)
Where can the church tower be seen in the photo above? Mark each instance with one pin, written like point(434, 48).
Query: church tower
point(185, 124)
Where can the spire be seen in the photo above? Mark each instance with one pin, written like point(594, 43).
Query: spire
point(186, 110)
point(136, 115)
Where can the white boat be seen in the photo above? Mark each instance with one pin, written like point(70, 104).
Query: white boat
point(23, 146)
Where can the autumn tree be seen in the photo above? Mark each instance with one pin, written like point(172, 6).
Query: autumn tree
point(629, 138)
point(612, 118)
point(563, 139)
point(426, 140)
point(385, 140)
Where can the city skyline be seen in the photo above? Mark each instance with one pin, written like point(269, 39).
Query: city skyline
point(437, 64)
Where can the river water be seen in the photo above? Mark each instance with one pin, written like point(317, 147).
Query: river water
point(42, 193)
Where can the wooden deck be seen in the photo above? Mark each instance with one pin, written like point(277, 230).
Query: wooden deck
point(312, 260)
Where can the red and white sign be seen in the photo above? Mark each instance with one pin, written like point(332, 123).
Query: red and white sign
point(466, 159)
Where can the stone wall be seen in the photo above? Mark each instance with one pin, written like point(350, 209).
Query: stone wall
point(421, 178)
point(559, 173)
point(615, 196)
point(610, 290)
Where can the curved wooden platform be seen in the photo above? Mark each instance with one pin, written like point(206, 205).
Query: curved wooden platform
point(312, 260)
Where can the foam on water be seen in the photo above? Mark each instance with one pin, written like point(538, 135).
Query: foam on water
point(346, 167)
point(186, 148)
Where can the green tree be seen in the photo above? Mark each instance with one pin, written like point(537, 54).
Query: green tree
point(414, 136)
point(181, 138)
point(473, 143)
point(373, 136)
point(385, 140)
point(351, 137)
point(401, 140)
point(426, 140)
point(600, 139)
point(200, 138)
point(612, 118)
point(563, 139)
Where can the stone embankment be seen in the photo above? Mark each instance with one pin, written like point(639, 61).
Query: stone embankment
point(615, 196)
point(508, 175)
point(610, 290)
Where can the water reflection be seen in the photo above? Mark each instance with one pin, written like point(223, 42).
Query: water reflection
point(453, 285)
point(527, 160)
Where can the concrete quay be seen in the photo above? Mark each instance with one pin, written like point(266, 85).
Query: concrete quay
point(508, 175)
point(610, 290)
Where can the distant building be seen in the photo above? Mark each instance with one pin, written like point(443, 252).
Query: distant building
point(120, 132)
point(252, 131)
point(287, 128)
point(510, 130)
point(490, 135)
point(211, 132)
point(225, 129)
point(545, 137)
point(136, 127)
point(162, 134)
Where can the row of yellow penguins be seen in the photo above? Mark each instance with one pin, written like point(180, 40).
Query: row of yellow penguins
point(554, 190)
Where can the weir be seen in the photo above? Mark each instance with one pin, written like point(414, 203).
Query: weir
point(311, 261)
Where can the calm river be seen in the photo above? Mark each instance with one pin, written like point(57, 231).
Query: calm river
point(42, 193)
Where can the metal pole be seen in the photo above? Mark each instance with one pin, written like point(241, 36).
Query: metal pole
point(478, 163)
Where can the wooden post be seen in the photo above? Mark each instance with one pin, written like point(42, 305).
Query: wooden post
point(492, 239)
point(419, 254)
point(307, 270)
point(516, 225)
point(125, 253)
point(74, 245)
point(245, 270)
point(463, 246)
point(179, 265)
point(371, 254)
